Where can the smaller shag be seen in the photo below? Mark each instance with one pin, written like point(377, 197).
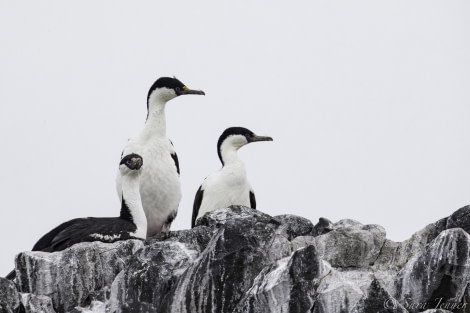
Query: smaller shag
point(229, 185)
point(131, 224)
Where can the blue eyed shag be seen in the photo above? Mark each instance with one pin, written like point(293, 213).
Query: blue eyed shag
point(131, 224)
point(229, 185)
point(160, 187)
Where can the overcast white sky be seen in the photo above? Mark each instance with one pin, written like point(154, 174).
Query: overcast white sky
point(368, 103)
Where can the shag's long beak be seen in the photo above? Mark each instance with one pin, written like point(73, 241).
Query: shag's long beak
point(260, 138)
point(186, 91)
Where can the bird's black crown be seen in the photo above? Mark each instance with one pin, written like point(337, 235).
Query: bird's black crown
point(133, 161)
point(230, 132)
point(165, 82)
point(235, 131)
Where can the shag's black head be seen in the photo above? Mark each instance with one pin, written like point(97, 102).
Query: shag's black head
point(240, 131)
point(166, 82)
point(132, 161)
point(174, 84)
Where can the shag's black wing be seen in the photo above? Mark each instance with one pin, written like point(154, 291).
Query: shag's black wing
point(252, 200)
point(197, 205)
point(105, 229)
point(174, 156)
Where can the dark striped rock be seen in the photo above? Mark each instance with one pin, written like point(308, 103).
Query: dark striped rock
point(242, 260)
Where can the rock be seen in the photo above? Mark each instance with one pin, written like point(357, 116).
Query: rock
point(219, 217)
point(270, 291)
point(151, 274)
point(292, 226)
point(323, 226)
point(288, 285)
point(342, 289)
point(301, 242)
point(440, 275)
point(459, 219)
point(37, 304)
point(242, 260)
point(351, 244)
point(75, 276)
point(240, 248)
point(9, 297)
point(94, 307)
point(377, 299)
point(198, 237)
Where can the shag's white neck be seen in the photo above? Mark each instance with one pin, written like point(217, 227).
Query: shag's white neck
point(229, 149)
point(155, 125)
point(131, 196)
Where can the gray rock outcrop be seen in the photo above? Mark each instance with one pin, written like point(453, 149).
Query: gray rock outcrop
point(242, 260)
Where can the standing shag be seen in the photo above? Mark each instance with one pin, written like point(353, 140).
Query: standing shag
point(229, 185)
point(160, 187)
point(131, 224)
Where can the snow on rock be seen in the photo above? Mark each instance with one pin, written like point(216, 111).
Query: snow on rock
point(75, 276)
point(288, 285)
point(242, 260)
point(37, 303)
point(441, 272)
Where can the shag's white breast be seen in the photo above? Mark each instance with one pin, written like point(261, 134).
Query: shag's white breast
point(229, 186)
point(160, 186)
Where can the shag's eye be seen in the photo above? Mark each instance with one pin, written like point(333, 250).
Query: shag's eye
point(129, 162)
point(177, 89)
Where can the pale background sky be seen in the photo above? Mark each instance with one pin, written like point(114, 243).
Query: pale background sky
point(368, 103)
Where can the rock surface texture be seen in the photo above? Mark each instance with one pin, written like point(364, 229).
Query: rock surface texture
point(242, 260)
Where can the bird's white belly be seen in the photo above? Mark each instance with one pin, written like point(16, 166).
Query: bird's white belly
point(221, 191)
point(160, 187)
